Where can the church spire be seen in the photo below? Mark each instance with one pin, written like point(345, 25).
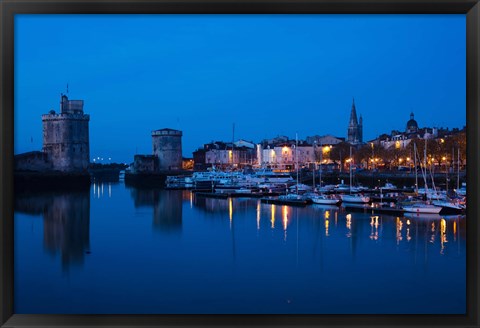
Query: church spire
point(353, 115)
point(353, 127)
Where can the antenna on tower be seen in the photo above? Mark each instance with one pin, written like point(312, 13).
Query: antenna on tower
point(67, 88)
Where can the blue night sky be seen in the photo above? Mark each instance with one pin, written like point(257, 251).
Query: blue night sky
point(269, 74)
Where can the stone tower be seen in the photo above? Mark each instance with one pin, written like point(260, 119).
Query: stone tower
point(167, 147)
point(66, 136)
point(355, 129)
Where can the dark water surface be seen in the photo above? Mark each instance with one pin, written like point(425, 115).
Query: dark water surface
point(123, 250)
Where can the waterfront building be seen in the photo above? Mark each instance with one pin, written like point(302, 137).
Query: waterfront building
point(66, 136)
point(355, 127)
point(66, 145)
point(145, 164)
point(285, 155)
point(221, 154)
point(401, 140)
point(326, 140)
point(167, 148)
point(166, 153)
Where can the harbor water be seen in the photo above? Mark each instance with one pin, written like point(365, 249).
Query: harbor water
point(114, 249)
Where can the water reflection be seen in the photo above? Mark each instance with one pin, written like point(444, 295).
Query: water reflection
point(328, 251)
point(166, 204)
point(66, 222)
point(405, 230)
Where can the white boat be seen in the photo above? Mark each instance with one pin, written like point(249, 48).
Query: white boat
point(450, 204)
point(243, 191)
point(433, 194)
point(266, 175)
point(300, 187)
point(388, 186)
point(291, 197)
point(326, 188)
point(357, 198)
point(429, 216)
point(342, 187)
point(422, 208)
point(325, 200)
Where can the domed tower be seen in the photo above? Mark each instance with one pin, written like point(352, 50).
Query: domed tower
point(66, 136)
point(412, 125)
point(167, 147)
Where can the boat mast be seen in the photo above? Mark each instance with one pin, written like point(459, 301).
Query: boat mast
point(296, 158)
point(314, 164)
point(415, 163)
point(424, 173)
point(320, 169)
point(350, 169)
point(458, 168)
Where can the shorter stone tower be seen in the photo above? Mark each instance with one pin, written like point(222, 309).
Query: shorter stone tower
point(66, 136)
point(167, 147)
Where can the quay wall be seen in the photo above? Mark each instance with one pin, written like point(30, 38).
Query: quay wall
point(379, 179)
point(25, 181)
point(32, 161)
point(151, 179)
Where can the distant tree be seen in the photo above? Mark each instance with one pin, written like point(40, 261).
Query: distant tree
point(340, 152)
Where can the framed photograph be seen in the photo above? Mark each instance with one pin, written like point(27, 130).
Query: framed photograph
point(273, 163)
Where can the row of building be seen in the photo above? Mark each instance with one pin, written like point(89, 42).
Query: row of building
point(66, 146)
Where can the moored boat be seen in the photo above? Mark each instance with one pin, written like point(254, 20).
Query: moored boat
point(357, 198)
point(422, 207)
point(325, 199)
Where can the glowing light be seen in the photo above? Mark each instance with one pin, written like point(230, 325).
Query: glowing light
point(399, 230)
point(327, 224)
point(408, 222)
point(230, 210)
point(454, 230)
point(349, 225)
point(443, 235)
point(258, 214)
point(285, 217)
point(374, 231)
point(272, 220)
point(327, 214)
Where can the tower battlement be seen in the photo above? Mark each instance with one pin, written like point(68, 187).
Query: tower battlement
point(66, 136)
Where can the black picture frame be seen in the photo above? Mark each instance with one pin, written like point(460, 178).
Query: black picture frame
point(9, 8)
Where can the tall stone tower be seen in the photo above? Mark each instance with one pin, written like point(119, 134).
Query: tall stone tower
point(66, 136)
point(167, 147)
point(355, 133)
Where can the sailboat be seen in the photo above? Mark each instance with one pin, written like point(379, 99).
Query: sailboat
point(294, 196)
point(422, 206)
point(322, 198)
point(354, 198)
